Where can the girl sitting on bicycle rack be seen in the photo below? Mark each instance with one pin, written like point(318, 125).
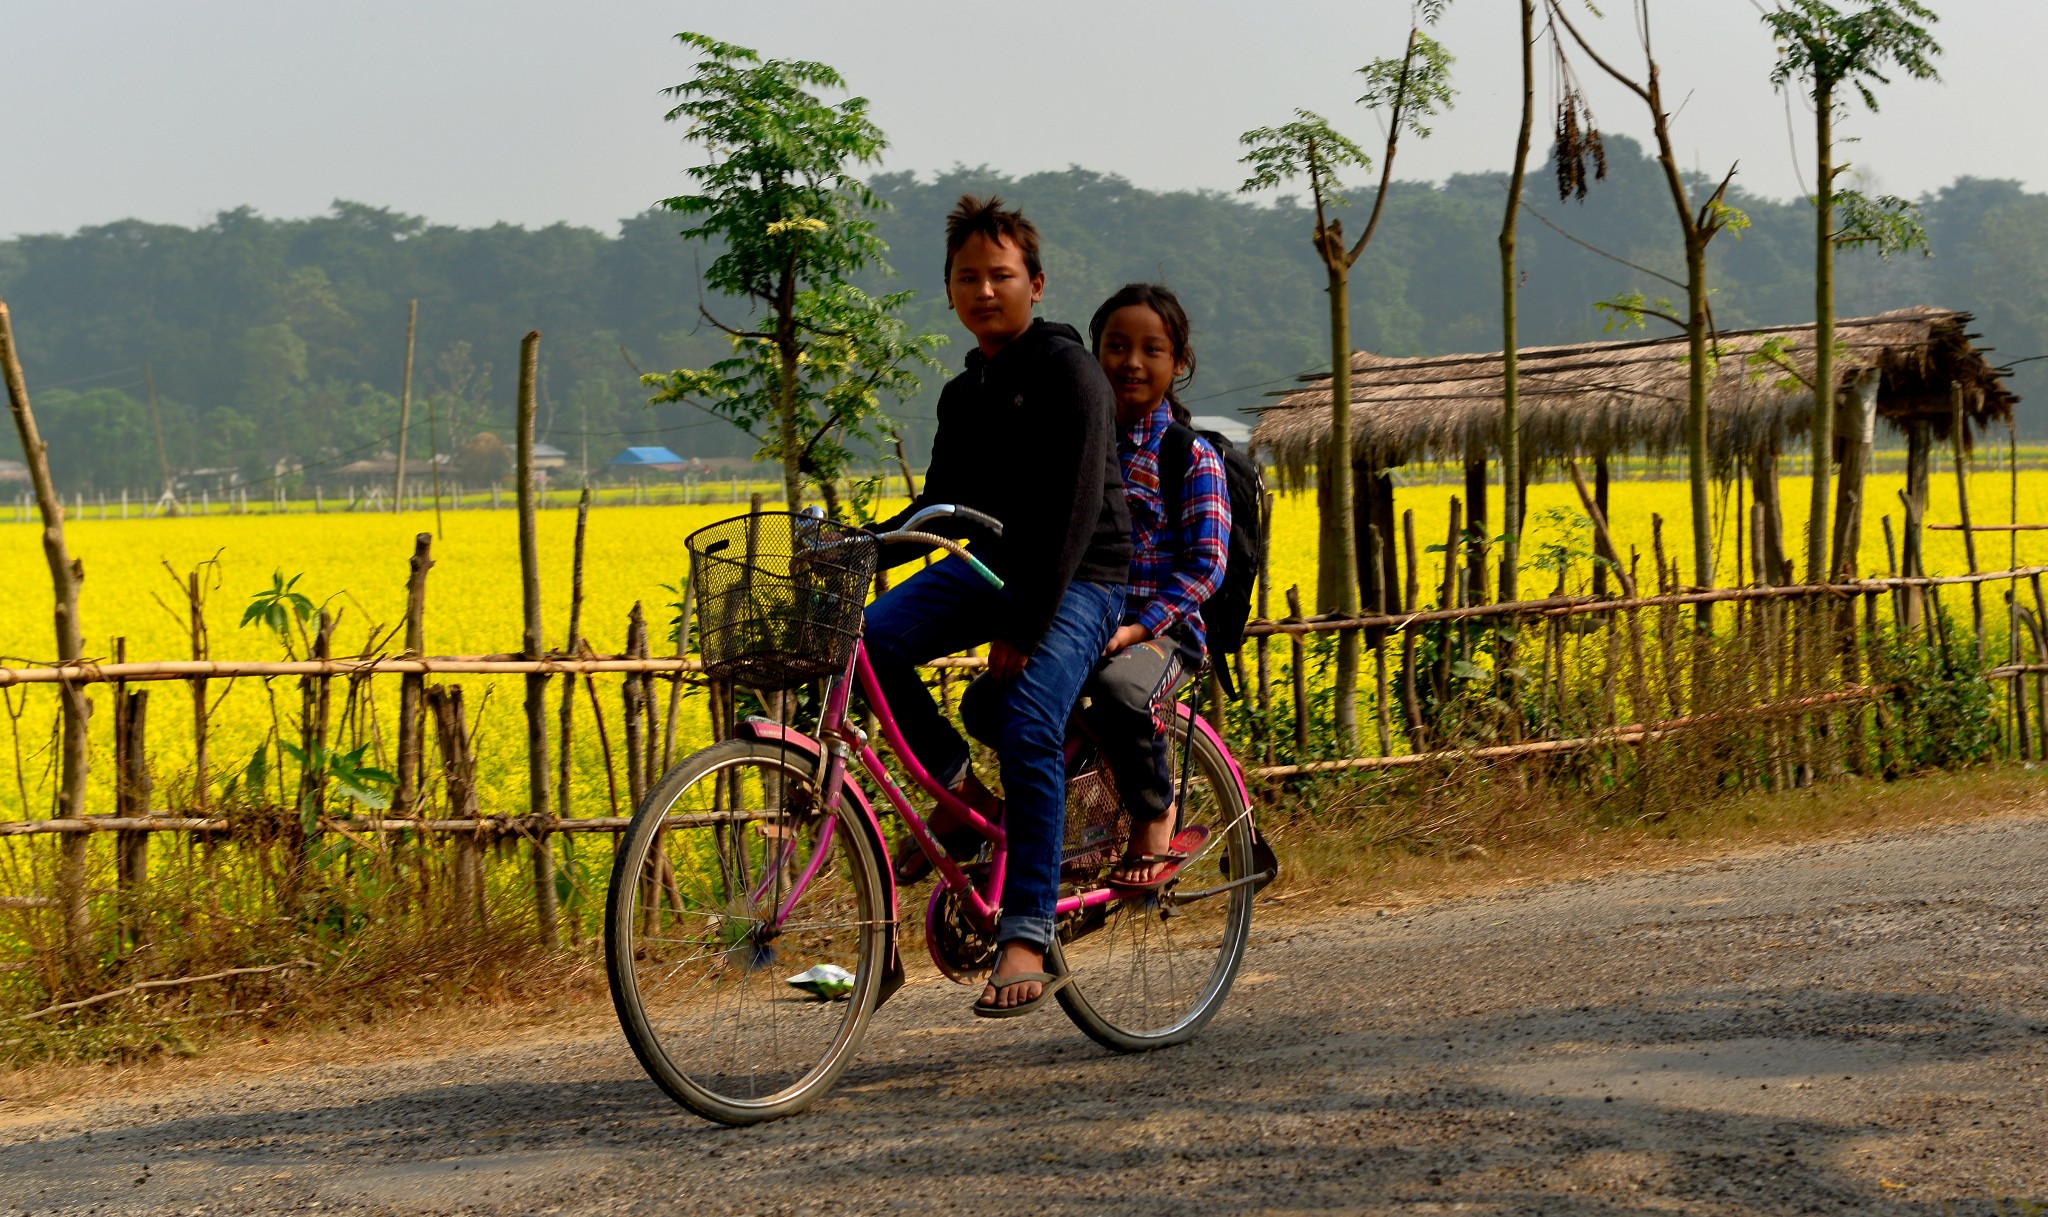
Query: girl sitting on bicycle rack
point(1027, 434)
point(1140, 335)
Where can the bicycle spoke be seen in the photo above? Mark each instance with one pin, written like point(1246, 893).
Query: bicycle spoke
point(711, 1008)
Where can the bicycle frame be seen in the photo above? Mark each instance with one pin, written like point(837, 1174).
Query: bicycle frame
point(841, 741)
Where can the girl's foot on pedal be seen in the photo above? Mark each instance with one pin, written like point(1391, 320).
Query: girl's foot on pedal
point(1149, 840)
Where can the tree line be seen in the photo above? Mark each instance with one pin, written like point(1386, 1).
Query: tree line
point(278, 343)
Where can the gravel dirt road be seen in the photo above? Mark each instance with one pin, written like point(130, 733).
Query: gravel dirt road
point(1847, 1027)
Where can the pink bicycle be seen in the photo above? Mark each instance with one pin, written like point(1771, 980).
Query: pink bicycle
point(751, 927)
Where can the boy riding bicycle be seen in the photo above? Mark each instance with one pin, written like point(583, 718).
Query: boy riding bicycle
point(1027, 434)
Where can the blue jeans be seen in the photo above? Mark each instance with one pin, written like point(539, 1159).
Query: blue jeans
point(946, 608)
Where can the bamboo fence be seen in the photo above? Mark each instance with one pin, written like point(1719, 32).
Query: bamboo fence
point(1788, 686)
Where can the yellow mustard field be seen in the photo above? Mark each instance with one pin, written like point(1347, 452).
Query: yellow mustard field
point(356, 564)
point(1633, 503)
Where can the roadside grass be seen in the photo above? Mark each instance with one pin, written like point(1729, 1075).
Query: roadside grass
point(1344, 844)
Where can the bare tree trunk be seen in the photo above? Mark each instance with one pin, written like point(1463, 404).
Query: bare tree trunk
point(65, 576)
point(1823, 330)
point(1510, 404)
point(1697, 376)
point(1341, 564)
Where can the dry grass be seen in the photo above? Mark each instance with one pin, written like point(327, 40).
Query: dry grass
point(1331, 864)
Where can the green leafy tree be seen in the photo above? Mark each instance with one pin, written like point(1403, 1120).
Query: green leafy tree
point(808, 370)
point(1409, 90)
point(1830, 49)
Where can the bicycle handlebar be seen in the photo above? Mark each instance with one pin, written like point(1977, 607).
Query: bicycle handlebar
point(969, 514)
point(910, 532)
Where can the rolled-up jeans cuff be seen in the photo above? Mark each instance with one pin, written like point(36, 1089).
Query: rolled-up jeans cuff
point(1036, 931)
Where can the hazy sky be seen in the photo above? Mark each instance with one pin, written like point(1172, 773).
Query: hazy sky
point(472, 112)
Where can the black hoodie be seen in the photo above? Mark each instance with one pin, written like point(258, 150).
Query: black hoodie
point(1029, 436)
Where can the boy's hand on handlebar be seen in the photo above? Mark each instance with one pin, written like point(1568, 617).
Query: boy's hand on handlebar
point(1126, 636)
point(1005, 662)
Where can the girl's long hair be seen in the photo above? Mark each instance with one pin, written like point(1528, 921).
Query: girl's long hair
point(1161, 300)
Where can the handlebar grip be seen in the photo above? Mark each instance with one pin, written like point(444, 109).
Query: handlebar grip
point(954, 511)
point(982, 518)
point(994, 580)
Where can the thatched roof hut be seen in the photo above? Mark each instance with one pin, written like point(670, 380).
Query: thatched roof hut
point(1612, 397)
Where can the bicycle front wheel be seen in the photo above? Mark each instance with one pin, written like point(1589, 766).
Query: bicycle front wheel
point(1149, 971)
point(744, 933)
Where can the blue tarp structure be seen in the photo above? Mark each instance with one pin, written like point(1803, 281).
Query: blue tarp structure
point(648, 458)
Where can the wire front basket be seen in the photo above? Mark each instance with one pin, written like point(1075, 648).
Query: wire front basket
point(779, 597)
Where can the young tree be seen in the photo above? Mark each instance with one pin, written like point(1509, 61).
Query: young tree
point(1510, 397)
point(1409, 89)
point(1698, 224)
point(808, 368)
point(1828, 48)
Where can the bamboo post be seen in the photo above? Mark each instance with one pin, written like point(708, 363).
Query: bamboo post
point(2040, 653)
point(131, 802)
point(201, 769)
point(1639, 677)
point(572, 645)
point(1601, 549)
point(1299, 674)
point(1259, 645)
point(458, 768)
point(1411, 704)
point(410, 686)
point(537, 801)
point(1859, 434)
point(412, 317)
point(1958, 421)
point(1912, 554)
point(634, 696)
point(1382, 713)
point(1447, 597)
point(65, 576)
point(650, 725)
point(1909, 561)
point(675, 687)
point(1891, 566)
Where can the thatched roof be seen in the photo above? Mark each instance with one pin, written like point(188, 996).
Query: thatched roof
point(1595, 398)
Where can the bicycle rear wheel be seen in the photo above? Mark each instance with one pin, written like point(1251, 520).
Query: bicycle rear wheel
point(1149, 971)
point(711, 917)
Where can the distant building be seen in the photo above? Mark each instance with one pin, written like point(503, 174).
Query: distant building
point(646, 459)
point(1227, 426)
point(545, 456)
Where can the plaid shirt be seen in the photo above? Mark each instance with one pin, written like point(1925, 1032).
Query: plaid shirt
point(1173, 572)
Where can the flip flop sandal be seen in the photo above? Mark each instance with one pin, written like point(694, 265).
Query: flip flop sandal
point(1184, 846)
point(1052, 984)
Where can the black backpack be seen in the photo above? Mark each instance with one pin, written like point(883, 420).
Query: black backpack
point(1225, 612)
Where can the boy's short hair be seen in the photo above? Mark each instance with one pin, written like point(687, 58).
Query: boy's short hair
point(987, 217)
